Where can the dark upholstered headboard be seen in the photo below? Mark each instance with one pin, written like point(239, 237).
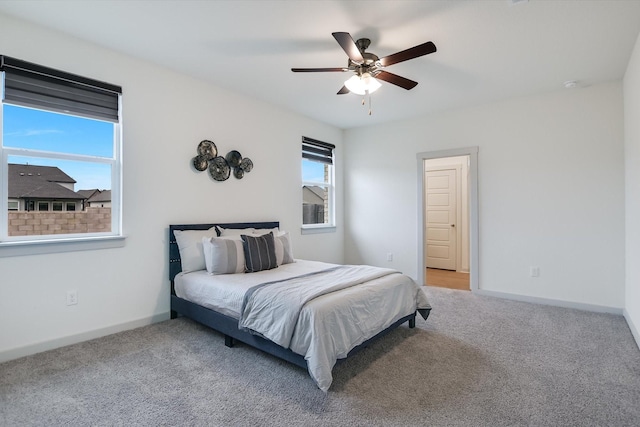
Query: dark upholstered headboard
point(175, 266)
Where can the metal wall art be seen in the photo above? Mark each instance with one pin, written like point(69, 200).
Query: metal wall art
point(220, 167)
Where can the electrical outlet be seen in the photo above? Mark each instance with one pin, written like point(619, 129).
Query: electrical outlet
point(72, 297)
point(389, 256)
point(534, 271)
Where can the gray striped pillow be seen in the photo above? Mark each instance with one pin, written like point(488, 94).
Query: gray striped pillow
point(259, 252)
point(223, 256)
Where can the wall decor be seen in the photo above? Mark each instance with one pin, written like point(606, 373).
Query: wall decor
point(234, 158)
point(220, 167)
point(200, 163)
point(207, 149)
point(246, 164)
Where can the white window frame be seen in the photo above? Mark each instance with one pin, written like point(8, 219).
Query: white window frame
point(329, 226)
point(53, 243)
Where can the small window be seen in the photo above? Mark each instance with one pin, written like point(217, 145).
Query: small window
point(60, 140)
point(317, 183)
point(14, 205)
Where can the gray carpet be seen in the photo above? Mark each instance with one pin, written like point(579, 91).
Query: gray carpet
point(477, 361)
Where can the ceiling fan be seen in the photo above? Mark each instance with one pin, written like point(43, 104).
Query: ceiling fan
point(368, 68)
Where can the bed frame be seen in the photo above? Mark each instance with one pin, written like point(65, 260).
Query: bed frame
point(227, 325)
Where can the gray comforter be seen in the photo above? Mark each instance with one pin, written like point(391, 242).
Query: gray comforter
point(273, 310)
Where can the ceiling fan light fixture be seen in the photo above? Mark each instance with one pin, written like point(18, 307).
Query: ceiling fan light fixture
point(362, 84)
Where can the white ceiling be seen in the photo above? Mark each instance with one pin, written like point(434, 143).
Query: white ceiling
point(487, 50)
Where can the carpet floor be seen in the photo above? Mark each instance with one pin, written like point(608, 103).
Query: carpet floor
point(477, 361)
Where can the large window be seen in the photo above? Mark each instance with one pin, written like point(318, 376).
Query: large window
point(60, 143)
point(317, 184)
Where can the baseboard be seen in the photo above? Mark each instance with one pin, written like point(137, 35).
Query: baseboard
point(548, 301)
point(28, 350)
point(632, 327)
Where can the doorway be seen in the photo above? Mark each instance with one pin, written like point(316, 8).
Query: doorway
point(446, 186)
point(448, 218)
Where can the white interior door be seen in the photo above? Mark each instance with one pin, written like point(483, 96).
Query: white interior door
point(440, 197)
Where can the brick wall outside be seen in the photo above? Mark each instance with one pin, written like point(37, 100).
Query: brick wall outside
point(326, 195)
point(93, 220)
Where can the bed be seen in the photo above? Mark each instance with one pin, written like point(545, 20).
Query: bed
point(328, 313)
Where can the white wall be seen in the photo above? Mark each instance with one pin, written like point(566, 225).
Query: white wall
point(632, 190)
point(551, 192)
point(165, 116)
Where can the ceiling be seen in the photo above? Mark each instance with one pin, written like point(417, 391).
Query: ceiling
point(487, 50)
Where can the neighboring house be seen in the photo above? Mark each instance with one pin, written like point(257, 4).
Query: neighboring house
point(313, 204)
point(41, 188)
point(96, 198)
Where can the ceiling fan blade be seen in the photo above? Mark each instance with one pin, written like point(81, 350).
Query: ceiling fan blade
point(396, 80)
point(343, 90)
point(317, 70)
point(349, 46)
point(405, 55)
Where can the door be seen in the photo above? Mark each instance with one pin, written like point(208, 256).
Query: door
point(440, 197)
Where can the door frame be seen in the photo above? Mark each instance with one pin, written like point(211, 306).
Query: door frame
point(472, 152)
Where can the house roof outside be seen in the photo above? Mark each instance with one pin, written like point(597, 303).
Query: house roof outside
point(313, 194)
point(42, 182)
point(95, 195)
point(86, 194)
point(50, 173)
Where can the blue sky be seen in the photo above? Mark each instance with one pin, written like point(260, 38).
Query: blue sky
point(312, 171)
point(42, 130)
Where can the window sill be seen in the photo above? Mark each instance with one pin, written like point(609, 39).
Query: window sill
point(317, 229)
point(22, 248)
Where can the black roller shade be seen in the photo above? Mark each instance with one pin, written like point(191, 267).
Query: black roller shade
point(33, 85)
point(318, 151)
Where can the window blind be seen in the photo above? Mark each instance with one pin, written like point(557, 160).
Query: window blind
point(32, 85)
point(317, 151)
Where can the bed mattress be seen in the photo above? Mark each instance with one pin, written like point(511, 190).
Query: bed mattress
point(224, 293)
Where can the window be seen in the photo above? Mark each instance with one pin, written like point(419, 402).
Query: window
point(60, 140)
point(317, 184)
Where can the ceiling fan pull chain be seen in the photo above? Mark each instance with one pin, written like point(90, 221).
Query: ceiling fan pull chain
point(370, 109)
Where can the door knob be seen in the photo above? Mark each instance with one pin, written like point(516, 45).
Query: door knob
point(453, 225)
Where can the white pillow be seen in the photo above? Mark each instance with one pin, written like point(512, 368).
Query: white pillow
point(224, 232)
point(223, 255)
point(284, 254)
point(231, 237)
point(190, 246)
point(261, 231)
